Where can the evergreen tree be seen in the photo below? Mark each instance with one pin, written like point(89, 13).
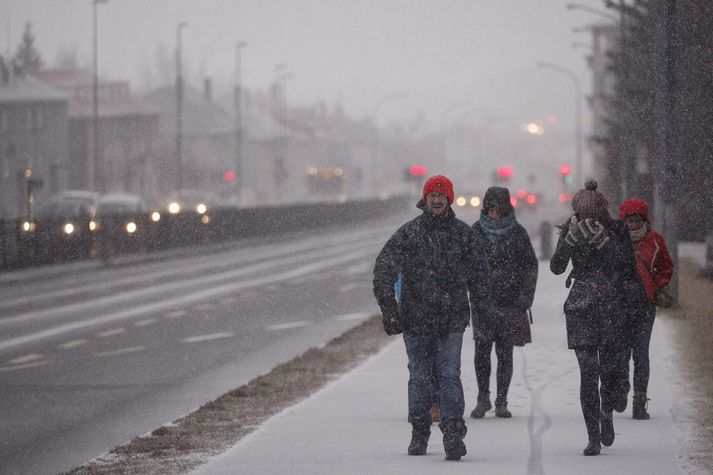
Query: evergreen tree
point(27, 59)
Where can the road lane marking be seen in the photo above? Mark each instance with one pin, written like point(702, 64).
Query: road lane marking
point(288, 325)
point(146, 322)
point(112, 332)
point(354, 285)
point(204, 307)
point(353, 316)
point(120, 351)
point(68, 345)
point(186, 299)
point(176, 314)
point(23, 366)
point(210, 336)
point(29, 358)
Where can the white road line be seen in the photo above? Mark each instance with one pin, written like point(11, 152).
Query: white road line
point(354, 285)
point(204, 307)
point(210, 336)
point(112, 332)
point(176, 314)
point(187, 298)
point(353, 316)
point(120, 351)
point(26, 359)
point(68, 345)
point(288, 325)
point(146, 322)
point(4, 369)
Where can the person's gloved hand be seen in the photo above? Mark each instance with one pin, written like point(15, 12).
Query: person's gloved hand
point(594, 233)
point(573, 234)
point(392, 322)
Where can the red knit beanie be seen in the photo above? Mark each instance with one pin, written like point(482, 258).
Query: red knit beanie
point(634, 206)
point(438, 184)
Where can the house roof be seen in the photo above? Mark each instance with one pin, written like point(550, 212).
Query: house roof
point(200, 115)
point(29, 89)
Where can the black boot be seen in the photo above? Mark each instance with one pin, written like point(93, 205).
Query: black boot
point(483, 406)
point(594, 446)
point(607, 421)
point(419, 440)
point(501, 409)
point(453, 433)
point(638, 406)
point(621, 396)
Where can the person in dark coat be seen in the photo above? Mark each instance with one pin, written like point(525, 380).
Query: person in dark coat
point(513, 276)
point(655, 267)
point(605, 285)
point(443, 274)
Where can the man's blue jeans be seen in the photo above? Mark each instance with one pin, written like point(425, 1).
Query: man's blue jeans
point(425, 352)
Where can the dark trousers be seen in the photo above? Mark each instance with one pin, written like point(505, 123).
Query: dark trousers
point(640, 352)
point(597, 365)
point(503, 375)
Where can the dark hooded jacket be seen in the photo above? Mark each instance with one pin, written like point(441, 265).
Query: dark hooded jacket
point(513, 276)
point(606, 287)
point(439, 264)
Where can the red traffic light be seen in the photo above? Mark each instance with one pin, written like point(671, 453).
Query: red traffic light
point(505, 172)
point(229, 176)
point(418, 170)
point(565, 170)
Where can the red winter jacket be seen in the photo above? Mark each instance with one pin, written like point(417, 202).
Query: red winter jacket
point(652, 258)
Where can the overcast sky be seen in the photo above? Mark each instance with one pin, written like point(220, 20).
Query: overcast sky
point(353, 52)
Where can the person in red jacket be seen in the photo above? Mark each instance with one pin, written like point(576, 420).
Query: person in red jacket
point(655, 267)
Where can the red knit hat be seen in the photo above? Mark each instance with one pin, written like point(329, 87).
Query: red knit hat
point(438, 184)
point(634, 206)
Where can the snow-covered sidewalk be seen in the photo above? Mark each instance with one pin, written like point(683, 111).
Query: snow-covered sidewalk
point(357, 424)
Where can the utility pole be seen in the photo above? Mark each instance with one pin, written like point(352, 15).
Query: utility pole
point(179, 107)
point(239, 122)
point(94, 169)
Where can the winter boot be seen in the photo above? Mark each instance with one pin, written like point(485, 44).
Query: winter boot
point(638, 405)
point(419, 440)
point(620, 396)
point(435, 413)
point(501, 409)
point(482, 407)
point(607, 422)
point(594, 446)
point(453, 433)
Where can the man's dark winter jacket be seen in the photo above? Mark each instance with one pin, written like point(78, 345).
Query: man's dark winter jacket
point(439, 263)
point(606, 288)
point(513, 276)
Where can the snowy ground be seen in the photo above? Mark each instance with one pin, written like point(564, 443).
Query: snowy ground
point(358, 423)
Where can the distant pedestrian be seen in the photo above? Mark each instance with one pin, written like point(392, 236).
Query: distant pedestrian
point(441, 268)
point(605, 285)
point(513, 277)
point(655, 268)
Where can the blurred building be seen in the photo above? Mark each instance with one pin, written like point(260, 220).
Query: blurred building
point(33, 142)
point(127, 135)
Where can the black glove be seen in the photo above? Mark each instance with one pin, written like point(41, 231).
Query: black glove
point(392, 322)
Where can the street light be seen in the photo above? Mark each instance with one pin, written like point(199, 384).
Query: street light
point(577, 114)
point(179, 106)
point(94, 161)
point(239, 120)
point(375, 135)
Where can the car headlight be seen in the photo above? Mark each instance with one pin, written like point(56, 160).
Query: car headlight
point(130, 227)
point(460, 201)
point(201, 208)
point(68, 228)
point(174, 207)
point(155, 216)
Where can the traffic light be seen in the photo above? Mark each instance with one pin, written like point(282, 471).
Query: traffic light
point(566, 173)
point(418, 170)
point(504, 173)
point(229, 176)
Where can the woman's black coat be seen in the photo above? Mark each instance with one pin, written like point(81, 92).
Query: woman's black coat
point(606, 284)
point(513, 277)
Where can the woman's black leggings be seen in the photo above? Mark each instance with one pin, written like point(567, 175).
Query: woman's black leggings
point(503, 352)
point(595, 365)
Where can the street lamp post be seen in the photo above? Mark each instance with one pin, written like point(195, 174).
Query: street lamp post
point(93, 163)
point(375, 136)
point(239, 121)
point(179, 106)
point(577, 115)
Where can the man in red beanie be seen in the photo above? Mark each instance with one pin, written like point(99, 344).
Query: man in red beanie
point(439, 263)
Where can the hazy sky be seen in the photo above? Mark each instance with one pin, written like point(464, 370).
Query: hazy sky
point(354, 52)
